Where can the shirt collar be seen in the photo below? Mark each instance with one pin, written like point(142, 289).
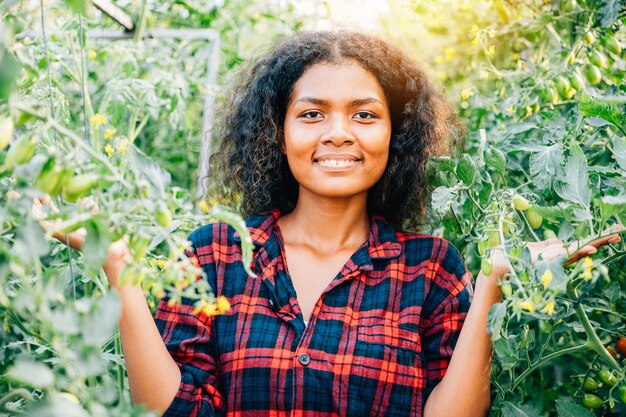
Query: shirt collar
point(382, 244)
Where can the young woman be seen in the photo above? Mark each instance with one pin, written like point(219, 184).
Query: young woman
point(326, 142)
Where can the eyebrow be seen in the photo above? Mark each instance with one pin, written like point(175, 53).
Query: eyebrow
point(353, 103)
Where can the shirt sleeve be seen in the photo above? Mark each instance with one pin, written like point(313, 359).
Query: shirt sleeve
point(448, 298)
point(191, 343)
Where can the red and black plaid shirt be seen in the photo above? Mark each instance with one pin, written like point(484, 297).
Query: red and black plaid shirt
point(380, 337)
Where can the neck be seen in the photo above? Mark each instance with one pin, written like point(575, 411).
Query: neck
point(327, 224)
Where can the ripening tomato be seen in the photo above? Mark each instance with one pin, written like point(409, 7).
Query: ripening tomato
point(620, 345)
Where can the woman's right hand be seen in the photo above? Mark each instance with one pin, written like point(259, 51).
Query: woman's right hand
point(119, 253)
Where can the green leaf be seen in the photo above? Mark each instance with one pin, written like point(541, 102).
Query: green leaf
point(225, 214)
point(608, 108)
point(574, 184)
point(567, 408)
point(619, 154)
point(517, 410)
point(495, 320)
point(34, 374)
point(612, 205)
point(545, 164)
point(609, 12)
point(466, 170)
point(30, 242)
point(442, 198)
point(99, 325)
point(494, 158)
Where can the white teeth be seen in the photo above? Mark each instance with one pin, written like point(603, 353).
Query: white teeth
point(336, 163)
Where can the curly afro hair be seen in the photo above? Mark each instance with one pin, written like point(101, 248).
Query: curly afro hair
point(248, 166)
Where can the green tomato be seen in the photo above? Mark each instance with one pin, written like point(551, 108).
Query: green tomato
point(524, 276)
point(534, 219)
point(562, 85)
point(163, 216)
point(576, 80)
point(549, 234)
point(593, 74)
point(482, 247)
point(486, 267)
point(612, 44)
point(571, 92)
point(621, 392)
point(139, 247)
point(589, 38)
point(506, 288)
point(592, 401)
point(80, 186)
point(53, 177)
point(607, 377)
point(21, 152)
point(589, 384)
point(520, 203)
point(6, 131)
point(598, 59)
point(494, 239)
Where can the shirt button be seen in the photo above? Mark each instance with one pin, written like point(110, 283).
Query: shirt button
point(271, 303)
point(304, 359)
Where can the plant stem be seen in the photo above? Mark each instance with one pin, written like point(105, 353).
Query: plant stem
point(548, 358)
point(120, 370)
point(593, 340)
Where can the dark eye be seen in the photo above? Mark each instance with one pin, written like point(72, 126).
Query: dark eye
point(364, 115)
point(312, 115)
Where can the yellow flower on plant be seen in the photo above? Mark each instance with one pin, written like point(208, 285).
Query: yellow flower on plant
point(511, 109)
point(439, 59)
point(547, 278)
point(450, 53)
point(204, 206)
point(484, 74)
point(527, 305)
point(466, 93)
point(587, 263)
point(161, 263)
point(92, 54)
point(549, 308)
point(223, 304)
point(108, 149)
point(490, 51)
point(109, 132)
point(122, 145)
point(153, 262)
point(529, 111)
point(98, 119)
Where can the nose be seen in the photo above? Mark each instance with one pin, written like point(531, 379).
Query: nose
point(339, 132)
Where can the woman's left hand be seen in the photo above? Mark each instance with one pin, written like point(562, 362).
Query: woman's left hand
point(552, 248)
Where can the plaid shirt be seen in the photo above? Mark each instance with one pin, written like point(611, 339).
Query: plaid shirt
point(379, 340)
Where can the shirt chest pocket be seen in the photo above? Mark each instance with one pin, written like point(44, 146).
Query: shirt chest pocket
point(386, 377)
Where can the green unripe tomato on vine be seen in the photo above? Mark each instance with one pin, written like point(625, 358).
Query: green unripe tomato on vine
point(593, 74)
point(520, 203)
point(53, 177)
point(607, 377)
point(576, 80)
point(598, 59)
point(163, 216)
point(589, 38)
point(592, 401)
point(80, 186)
point(21, 152)
point(621, 392)
point(534, 219)
point(486, 267)
point(549, 234)
point(562, 85)
point(482, 247)
point(589, 384)
point(506, 288)
point(494, 239)
point(611, 44)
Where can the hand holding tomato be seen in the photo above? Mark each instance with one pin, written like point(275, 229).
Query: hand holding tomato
point(553, 248)
point(119, 253)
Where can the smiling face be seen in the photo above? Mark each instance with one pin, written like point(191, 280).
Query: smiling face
point(337, 130)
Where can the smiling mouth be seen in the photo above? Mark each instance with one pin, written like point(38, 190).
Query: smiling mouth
point(337, 163)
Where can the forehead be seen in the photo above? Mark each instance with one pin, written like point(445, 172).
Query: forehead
point(337, 81)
